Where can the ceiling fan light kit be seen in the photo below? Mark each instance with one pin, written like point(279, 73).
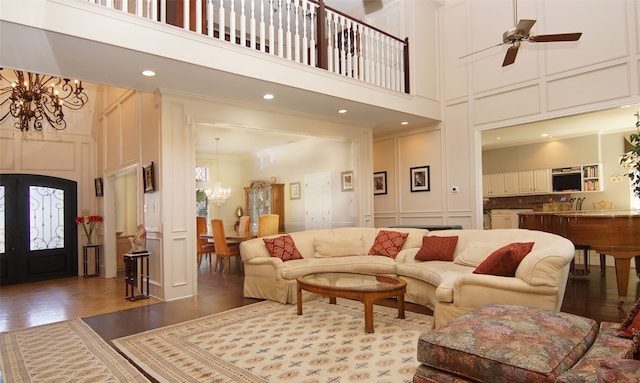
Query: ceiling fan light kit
point(521, 32)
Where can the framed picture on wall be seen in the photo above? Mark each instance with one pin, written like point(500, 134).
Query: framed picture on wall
point(380, 183)
point(98, 185)
point(420, 179)
point(346, 180)
point(148, 178)
point(294, 190)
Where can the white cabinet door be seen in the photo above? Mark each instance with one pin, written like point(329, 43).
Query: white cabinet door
point(525, 182)
point(493, 185)
point(510, 183)
point(542, 181)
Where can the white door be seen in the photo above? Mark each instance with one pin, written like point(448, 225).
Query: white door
point(317, 205)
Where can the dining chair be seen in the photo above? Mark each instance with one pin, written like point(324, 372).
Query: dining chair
point(245, 223)
point(224, 249)
point(268, 224)
point(204, 247)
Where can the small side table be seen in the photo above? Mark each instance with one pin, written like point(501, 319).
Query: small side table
point(85, 259)
point(132, 271)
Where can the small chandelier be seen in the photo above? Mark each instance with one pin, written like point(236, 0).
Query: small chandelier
point(219, 194)
point(34, 98)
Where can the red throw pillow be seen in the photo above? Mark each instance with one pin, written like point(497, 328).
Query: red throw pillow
point(388, 243)
point(632, 321)
point(436, 248)
point(504, 261)
point(282, 247)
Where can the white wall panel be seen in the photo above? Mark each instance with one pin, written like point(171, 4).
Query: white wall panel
point(455, 84)
point(587, 88)
point(38, 154)
point(489, 20)
point(384, 221)
point(415, 150)
point(129, 131)
point(505, 105)
point(603, 38)
point(8, 150)
point(459, 148)
point(112, 136)
point(384, 155)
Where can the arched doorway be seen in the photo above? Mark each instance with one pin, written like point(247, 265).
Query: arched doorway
point(38, 234)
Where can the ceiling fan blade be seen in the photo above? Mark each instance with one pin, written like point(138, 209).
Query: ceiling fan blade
point(556, 37)
point(510, 57)
point(481, 50)
point(524, 27)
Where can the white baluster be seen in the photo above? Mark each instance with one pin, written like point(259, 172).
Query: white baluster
point(109, 4)
point(198, 17)
point(232, 22)
point(163, 12)
point(139, 8)
point(343, 51)
point(349, 48)
point(288, 44)
point(262, 27)
point(272, 48)
point(280, 30)
point(252, 25)
point(377, 53)
point(243, 25)
point(329, 31)
point(125, 6)
point(303, 12)
point(185, 15)
point(357, 58)
point(221, 28)
point(312, 38)
point(210, 18)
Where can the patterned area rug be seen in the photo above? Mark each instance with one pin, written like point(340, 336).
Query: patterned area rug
point(269, 342)
point(62, 352)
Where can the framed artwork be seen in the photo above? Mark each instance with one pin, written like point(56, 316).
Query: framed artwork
point(148, 178)
point(98, 185)
point(380, 183)
point(419, 176)
point(346, 180)
point(294, 190)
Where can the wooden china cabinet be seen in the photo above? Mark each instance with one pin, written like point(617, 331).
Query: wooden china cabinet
point(264, 198)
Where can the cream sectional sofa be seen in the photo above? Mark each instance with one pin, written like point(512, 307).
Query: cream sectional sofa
point(449, 288)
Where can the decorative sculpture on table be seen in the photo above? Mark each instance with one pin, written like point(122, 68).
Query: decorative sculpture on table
point(139, 241)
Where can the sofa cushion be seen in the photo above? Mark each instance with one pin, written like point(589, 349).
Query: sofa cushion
point(282, 247)
point(504, 261)
point(475, 253)
point(634, 350)
point(367, 264)
point(618, 371)
point(437, 273)
point(435, 248)
point(388, 243)
point(337, 246)
point(516, 343)
point(606, 347)
point(630, 322)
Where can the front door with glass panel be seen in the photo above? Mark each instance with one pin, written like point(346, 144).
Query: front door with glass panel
point(38, 235)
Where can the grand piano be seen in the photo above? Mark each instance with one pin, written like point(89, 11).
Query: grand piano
point(612, 232)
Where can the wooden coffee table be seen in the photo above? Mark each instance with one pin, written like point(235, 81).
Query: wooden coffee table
point(367, 288)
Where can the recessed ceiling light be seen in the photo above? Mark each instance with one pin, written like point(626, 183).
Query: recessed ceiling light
point(148, 73)
point(268, 96)
point(544, 135)
point(498, 138)
point(404, 123)
point(342, 111)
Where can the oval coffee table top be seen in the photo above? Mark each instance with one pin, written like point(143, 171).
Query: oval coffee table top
point(352, 281)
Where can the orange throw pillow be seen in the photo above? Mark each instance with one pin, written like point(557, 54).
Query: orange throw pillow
point(436, 248)
point(282, 247)
point(504, 261)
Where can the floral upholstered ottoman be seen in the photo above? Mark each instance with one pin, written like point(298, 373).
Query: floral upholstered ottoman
point(504, 343)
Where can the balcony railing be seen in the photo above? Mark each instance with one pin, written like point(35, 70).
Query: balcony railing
point(304, 31)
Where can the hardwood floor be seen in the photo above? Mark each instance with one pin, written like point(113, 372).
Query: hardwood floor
point(101, 302)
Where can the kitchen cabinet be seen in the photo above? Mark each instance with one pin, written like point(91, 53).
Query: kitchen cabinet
point(493, 185)
point(534, 181)
point(510, 183)
point(506, 218)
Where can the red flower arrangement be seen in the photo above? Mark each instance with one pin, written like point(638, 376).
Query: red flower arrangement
point(91, 221)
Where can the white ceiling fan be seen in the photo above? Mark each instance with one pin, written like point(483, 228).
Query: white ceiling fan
point(520, 32)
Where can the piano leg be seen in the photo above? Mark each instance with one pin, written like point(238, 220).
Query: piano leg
point(638, 266)
point(623, 265)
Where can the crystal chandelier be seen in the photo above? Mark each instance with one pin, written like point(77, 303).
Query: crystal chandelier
point(33, 98)
point(218, 196)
